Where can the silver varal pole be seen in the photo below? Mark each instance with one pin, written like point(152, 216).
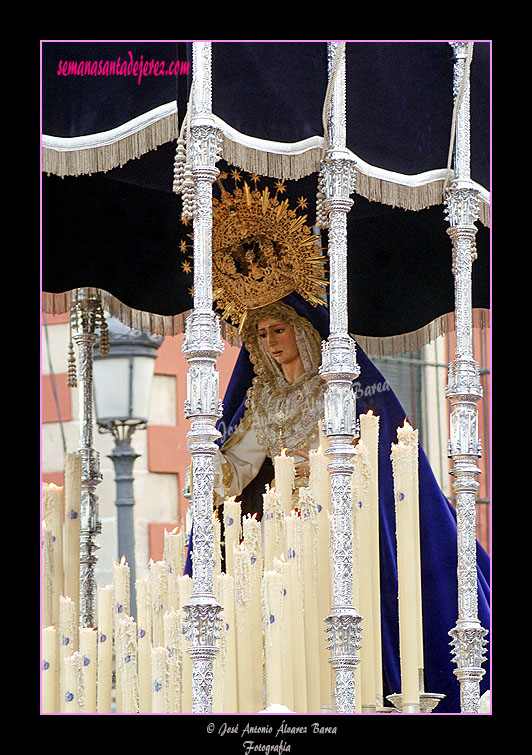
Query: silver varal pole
point(86, 319)
point(463, 391)
point(339, 368)
point(201, 347)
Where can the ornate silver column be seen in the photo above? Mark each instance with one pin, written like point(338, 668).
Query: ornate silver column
point(201, 347)
point(339, 368)
point(86, 319)
point(463, 391)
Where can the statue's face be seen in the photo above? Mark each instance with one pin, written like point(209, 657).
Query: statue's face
point(279, 339)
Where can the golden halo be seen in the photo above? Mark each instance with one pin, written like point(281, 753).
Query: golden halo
point(262, 250)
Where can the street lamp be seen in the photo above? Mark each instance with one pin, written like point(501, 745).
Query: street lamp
point(122, 387)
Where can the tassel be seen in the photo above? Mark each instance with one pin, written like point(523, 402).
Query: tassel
point(72, 380)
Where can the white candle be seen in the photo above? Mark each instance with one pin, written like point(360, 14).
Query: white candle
point(410, 437)
point(72, 525)
point(158, 572)
point(272, 527)
point(142, 587)
point(226, 683)
point(288, 636)
point(126, 666)
point(216, 527)
point(272, 616)
point(242, 566)
point(173, 660)
point(362, 573)
point(284, 479)
point(68, 627)
point(369, 434)
point(88, 651)
point(72, 690)
point(405, 507)
point(159, 684)
point(121, 575)
point(320, 478)
point(52, 512)
point(174, 558)
point(293, 568)
point(309, 538)
point(185, 593)
point(105, 648)
point(252, 540)
point(232, 531)
point(47, 575)
point(50, 671)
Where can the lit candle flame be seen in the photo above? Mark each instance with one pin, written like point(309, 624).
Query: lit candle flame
point(283, 452)
point(123, 560)
point(175, 530)
point(231, 499)
point(254, 515)
point(370, 413)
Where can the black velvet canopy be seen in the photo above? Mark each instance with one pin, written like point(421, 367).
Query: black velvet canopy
point(119, 228)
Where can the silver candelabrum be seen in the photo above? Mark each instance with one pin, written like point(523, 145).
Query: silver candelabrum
point(463, 391)
point(339, 368)
point(86, 319)
point(202, 345)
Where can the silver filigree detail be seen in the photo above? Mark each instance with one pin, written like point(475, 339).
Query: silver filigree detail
point(463, 391)
point(201, 347)
point(339, 368)
point(86, 308)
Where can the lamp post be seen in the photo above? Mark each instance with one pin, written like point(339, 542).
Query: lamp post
point(122, 387)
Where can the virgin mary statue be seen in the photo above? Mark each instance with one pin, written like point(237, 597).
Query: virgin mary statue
point(274, 400)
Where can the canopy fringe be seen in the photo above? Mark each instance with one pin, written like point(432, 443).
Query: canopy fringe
point(389, 346)
point(171, 325)
point(274, 165)
point(104, 157)
point(146, 322)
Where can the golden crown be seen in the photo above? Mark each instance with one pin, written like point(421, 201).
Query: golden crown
point(262, 250)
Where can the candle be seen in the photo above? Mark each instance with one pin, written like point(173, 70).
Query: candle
point(50, 671)
point(142, 587)
point(320, 478)
point(159, 684)
point(185, 593)
point(272, 527)
point(293, 568)
point(158, 572)
point(71, 683)
point(232, 531)
point(226, 685)
point(68, 627)
point(88, 652)
point(47, 575)
point(105, 648)
point(309, 542)
point(272, 616)
point(173, 660)
point(216, 527)
point(174, 558)
point(284, 479)
point(369, 434)
point(410, 437)
point(126, 666)
point(403, 463)
point(287, 634)
point(242, 565)
point(362, 574)
point(252, 538)
point(121, 574)
point(52, 511)
point(72, 525)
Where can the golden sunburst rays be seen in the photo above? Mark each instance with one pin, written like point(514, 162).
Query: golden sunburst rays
point(263, 249)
